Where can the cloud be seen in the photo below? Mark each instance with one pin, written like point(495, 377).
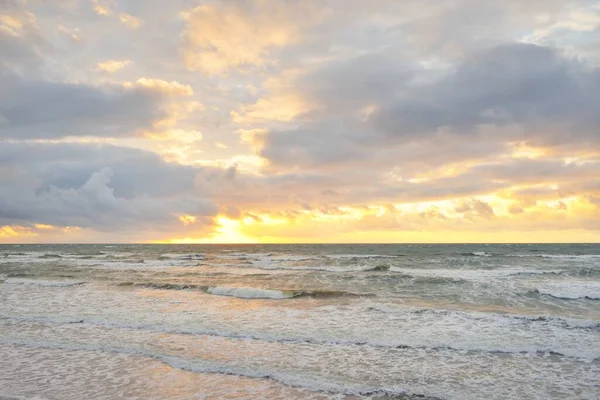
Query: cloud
point(351, 116)
point(509, 93)
point(74, 34)
point(509, 84)
point(21, 41)
point(130, 21)
point(98, 187)
point(112, 65)
point(576, 20)
point(100, 8)
point(7, 231)
point(171, 88)
point(226, 35)
point(475, 207)
point(45, 109)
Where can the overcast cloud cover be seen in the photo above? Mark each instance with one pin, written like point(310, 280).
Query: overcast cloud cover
point(270, 120)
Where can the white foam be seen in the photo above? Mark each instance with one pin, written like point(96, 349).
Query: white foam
point(29, 257)
point(571, 290)
point(341, 370)
point(183, 256)
point(40, 282)
point(343, 256)
point(580, 256)
point(474, 274)
point(136, 264)
point(250, 293)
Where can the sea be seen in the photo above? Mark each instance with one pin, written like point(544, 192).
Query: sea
point(407, 321)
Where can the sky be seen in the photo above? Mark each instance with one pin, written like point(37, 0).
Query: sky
point(258, 121)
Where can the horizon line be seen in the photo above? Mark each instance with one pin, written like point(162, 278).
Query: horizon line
point(295, 243)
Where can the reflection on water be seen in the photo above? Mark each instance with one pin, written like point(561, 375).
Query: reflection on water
point(306, 321)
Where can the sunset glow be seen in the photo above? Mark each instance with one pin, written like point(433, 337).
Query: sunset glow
point(262, 121)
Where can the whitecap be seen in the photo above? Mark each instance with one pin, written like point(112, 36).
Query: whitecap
point(251, 293)
point(40, 282)
point(343, 256)
point(571, 290)
point(569, 256)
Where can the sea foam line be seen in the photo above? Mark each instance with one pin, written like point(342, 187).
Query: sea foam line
point(246, 292)
point(207, 367)
point(154, 328)
point(41, 282)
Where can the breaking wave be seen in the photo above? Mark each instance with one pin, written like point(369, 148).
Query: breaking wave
point(50, 256)
point(40, 282)
point(299, 339)
point(251, 293)
point(247, 292)
point(208, 366)
point(477, 254)
point(558, 322)
point(566, 295)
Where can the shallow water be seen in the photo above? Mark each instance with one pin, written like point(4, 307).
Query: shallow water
point(300, 321)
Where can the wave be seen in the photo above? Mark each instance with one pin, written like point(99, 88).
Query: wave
point(339, 269)
point(376, 344)
point(247, 292)
point(300, 339)
point(211, 367)
point(569, 256)
point(477, 254)
point(458, 274)
point(462, 273)
point(14, 254)
point(257, 293)
point(544, 255)
point(81, 254)
point(133, 264)
point(164, 286)
point(558, 322)
point(272, 257)
point(558, 256)
point(181, 256)
point(267, 256)
point(251, 293)
point(40, 282)
point(50, 256)
point(565, 295)
point(343, 256)
point(582, 272)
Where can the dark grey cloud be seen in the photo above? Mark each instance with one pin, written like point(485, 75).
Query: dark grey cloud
point(69, 165)
point(36, 101)
point(94, 186)
point(508, 84)
point(44, 109)
point(312, 144)
point(532, 171)
point(21, 41)
point(508, 93)
point(475, 207)
point(352, 83)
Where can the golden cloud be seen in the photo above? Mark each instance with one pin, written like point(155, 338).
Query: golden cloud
point(112, 65)
point(231, 35)
point(11, 231)
point(172, 87)
point(130, 21)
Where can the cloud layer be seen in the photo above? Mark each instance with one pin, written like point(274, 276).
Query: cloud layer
point(311, 121)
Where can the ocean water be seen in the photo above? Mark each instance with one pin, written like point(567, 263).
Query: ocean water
point(300, 321)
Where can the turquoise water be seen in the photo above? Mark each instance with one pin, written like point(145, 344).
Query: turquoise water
point(300, 321)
